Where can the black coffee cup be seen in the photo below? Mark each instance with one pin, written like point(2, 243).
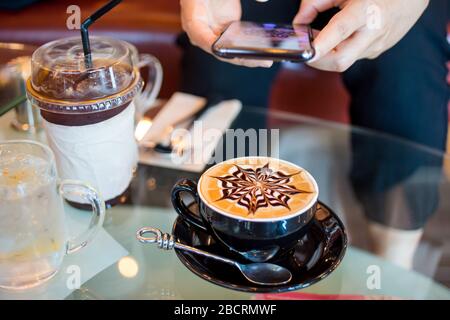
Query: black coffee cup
point(257, 240)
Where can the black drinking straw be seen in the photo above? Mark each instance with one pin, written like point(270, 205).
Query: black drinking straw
point(86, 24)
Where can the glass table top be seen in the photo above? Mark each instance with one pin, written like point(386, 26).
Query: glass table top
point(393, 196)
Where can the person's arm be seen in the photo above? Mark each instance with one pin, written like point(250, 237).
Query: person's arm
point(204, 21)
point(362, 29)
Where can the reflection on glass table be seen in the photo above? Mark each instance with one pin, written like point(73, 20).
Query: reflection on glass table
point(392, 195)
point(15, 68)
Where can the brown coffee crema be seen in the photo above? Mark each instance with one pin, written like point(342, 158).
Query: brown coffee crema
point(258, 188)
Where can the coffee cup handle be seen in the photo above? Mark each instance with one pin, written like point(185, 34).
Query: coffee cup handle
point(189, 186)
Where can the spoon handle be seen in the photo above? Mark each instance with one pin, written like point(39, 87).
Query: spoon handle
point(166, 241)
point(203, 253)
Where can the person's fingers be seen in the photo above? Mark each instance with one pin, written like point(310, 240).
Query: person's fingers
point(200, 34)
point(194, 20)
point(345, 55)
point(203, 37)
point(309, 9)
point(222, 13)
point(195, 16)
point(251, 63)
point(341, 26)
point(302, 31)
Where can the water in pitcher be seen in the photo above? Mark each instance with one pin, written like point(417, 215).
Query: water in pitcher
point(32, 234)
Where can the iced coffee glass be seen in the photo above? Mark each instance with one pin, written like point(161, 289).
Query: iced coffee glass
point(33, 239)
point(89, 110)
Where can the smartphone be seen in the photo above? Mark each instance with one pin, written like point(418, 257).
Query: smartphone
point(265, 41)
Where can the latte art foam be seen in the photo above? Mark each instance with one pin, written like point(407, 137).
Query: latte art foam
point(258, 188)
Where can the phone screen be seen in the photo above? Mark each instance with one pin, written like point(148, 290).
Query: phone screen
point(265, 41)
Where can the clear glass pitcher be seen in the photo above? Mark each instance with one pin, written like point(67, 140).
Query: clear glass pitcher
point(33, 238)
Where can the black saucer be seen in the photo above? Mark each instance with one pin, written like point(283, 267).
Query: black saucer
point(318, 253)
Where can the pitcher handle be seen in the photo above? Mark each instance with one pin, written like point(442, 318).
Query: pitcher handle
point(146, 98)
point(83, 190)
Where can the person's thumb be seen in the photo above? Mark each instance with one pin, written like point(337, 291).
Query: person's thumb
point(309, 9)
point(307, 13)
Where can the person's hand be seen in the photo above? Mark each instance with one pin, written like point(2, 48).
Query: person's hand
point(205, 20)
point(362, 29)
